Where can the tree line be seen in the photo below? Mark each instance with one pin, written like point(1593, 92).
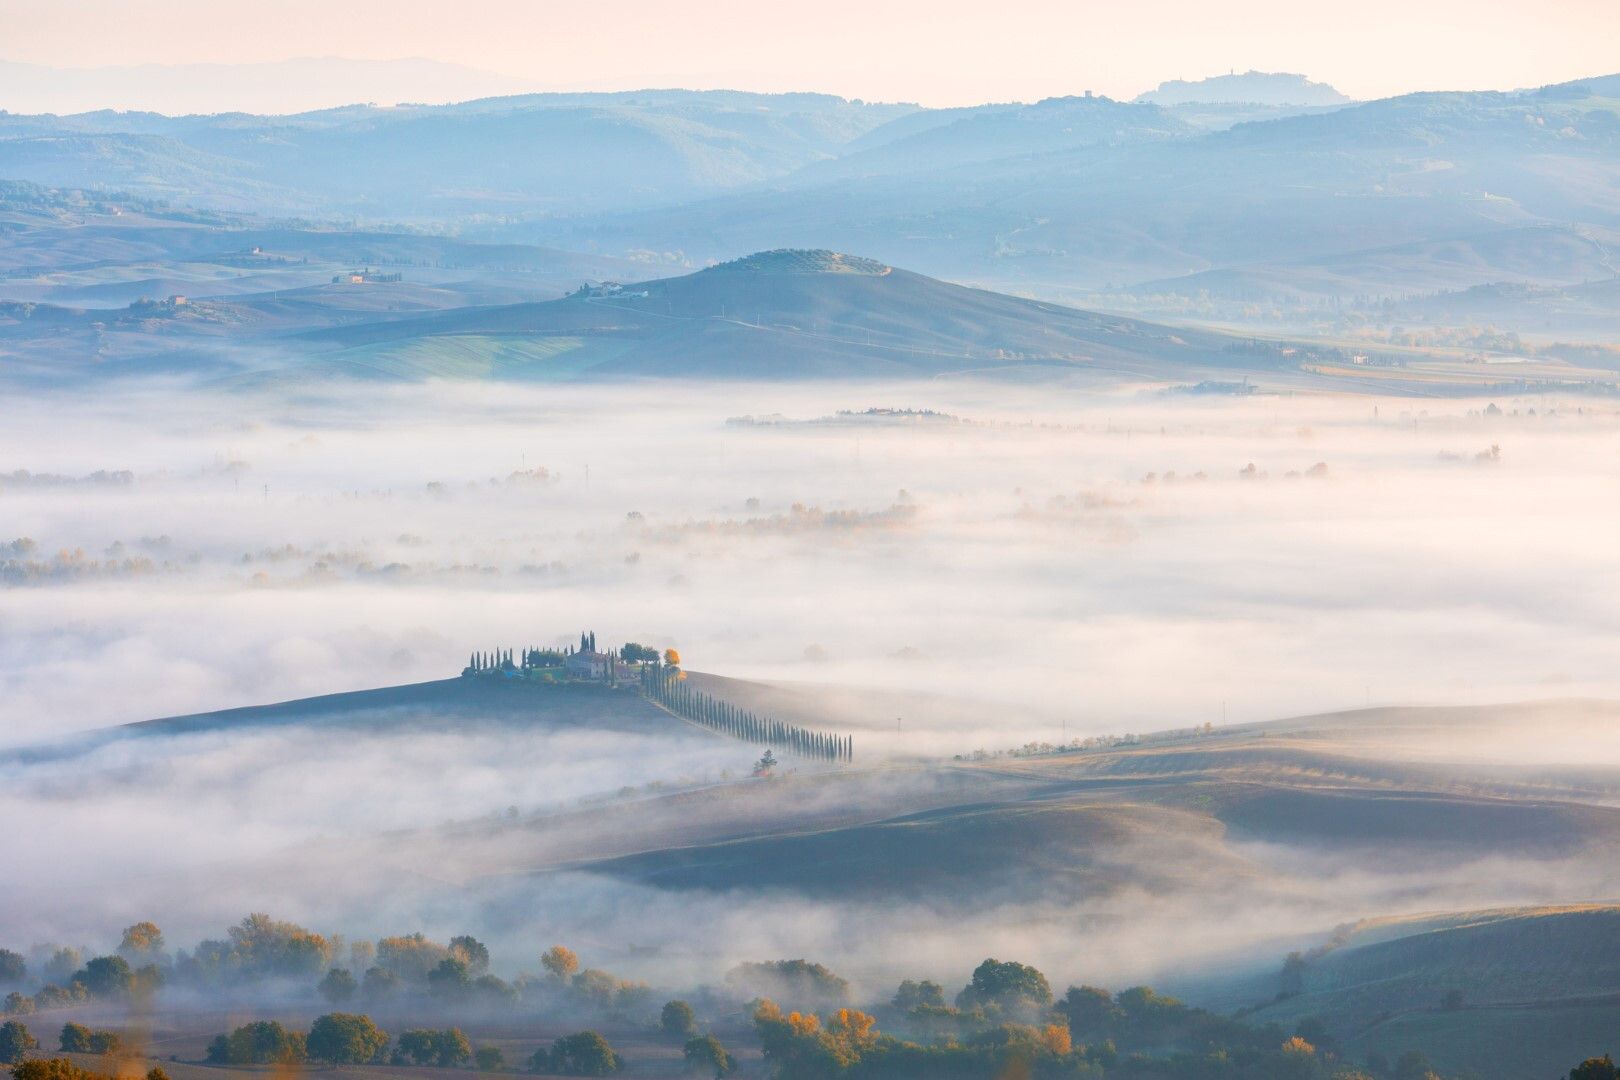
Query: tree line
point(667, 687)
point(1006, 1021)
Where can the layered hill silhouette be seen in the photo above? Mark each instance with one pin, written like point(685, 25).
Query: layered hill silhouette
point(530, 151)
point(1068, 193)
point(1296, 189)
point(778, 314)
point(1262, 814)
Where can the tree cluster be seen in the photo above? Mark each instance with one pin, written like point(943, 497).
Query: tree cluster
point(584, 1053)
point(447, 1048)
point(78, 1039)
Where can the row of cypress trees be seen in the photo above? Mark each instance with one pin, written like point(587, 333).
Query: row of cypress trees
point(677, 695)
point(508, 660)
point(500, 659)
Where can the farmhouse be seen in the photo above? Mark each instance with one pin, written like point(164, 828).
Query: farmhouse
point(365, 277)
point(587, 664)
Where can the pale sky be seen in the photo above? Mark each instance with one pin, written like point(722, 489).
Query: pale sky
point(937, 52)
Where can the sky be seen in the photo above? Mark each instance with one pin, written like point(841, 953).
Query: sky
point(940, 52)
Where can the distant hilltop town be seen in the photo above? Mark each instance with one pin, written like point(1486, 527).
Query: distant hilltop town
point(659, 678)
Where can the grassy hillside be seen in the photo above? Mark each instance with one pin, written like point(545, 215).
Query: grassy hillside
point(964, 857)
point(1500, 993)
point(445, 705)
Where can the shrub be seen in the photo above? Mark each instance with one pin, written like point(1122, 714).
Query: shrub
point(264, 946)
point(106, 976)
point(379, 984)
point(450, 981)
point(62, 964)
point(1089, 1010)
point(53, 1069)
point(410, 956)
point(19, 1004)
point(13, 969)
point(345, 1039)
point(472, 952)
point(54, 997)
point(561, 961)
point(584, 1053)
point(1010, 985)
point(1602, 1068)
point(15, 1041)
point(797, 982)
point(424, 1046)
point(490, 1059)
point(143, 941)
point(677, 1020)
point(912, 995)
point(705, 1054)
point(263, 1042)
point(337, 986)
point(493, 990)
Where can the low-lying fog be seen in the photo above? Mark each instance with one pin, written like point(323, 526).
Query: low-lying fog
point(1100, 558)
point(1080, 563)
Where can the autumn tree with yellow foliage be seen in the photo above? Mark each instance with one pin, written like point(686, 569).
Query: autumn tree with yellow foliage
point(561, 961)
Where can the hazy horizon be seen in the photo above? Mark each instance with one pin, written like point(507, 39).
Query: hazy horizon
point(933, 55)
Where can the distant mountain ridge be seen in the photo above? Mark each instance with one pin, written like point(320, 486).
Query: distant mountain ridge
point(1311, 186)
point(1249, 88)
point(523, 154)
point(1065, 198)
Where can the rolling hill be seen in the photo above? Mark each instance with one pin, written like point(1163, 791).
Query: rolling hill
point(1498, 992)
point(791, 314)
point(445, 705)
point(1271, 832)
point(1160, 814)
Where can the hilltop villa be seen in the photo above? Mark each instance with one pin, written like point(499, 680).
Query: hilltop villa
point(587, 664)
